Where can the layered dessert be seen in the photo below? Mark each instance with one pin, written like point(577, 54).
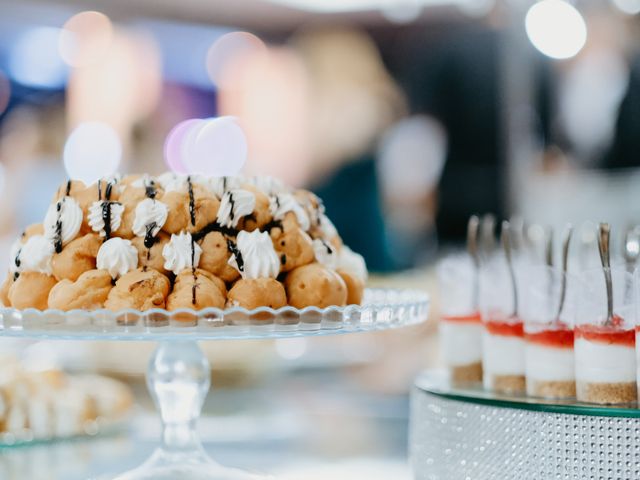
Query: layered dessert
point(461, 343)
point(182, 242)
point(605, 359)
point(503, 353)
point(549, 360)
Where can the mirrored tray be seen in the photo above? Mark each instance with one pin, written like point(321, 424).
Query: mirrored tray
point(381, 309)
point(179, 375)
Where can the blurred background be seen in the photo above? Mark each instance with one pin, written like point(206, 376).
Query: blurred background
point(405, 116)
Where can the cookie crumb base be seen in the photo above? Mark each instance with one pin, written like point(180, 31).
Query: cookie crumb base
point(551, 389)
point(509, 384)
point(607, 393)
point(465, 374)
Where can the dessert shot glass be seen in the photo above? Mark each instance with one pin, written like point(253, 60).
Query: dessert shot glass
point(460, 325)
point(548, 309)
point(605, 338)
point(503, 346)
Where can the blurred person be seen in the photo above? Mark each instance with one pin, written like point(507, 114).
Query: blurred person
point(354, 100)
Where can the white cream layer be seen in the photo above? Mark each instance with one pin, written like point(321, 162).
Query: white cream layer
point(549, 364)
point(461, 343)
point(502, 355)
point(601, 363)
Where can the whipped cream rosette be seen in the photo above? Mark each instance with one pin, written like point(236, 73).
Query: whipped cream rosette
point(283, 203)
point(234, 205)
point(181, 253)
point(117, 256)
point(62, 222)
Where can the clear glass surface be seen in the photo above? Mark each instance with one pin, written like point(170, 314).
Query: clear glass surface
point(381, 309)
point(178, 375)
point(437, 383)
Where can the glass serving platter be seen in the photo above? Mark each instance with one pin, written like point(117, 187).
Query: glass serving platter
point(437, 383)
point(179, 375)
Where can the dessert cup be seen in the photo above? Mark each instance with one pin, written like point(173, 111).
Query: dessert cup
point(503, 345)
point(549, 335)
point(605, 347)
point(460, 322)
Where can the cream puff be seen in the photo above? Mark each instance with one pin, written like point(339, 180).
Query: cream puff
point(77, 257)
point(197, 289)
point(315, 285)
point(139, 290)
point(88, 292)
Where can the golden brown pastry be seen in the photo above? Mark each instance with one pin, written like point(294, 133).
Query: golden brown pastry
point(70, 188)
point(293, 246)
point(178, 211)
point(355, 287)
point(139, 290)
point(31, 290)
point(152, 257)
point(215, 257)
point(77, 257)
point(315, 285)
point(4, 289)
point(257, 292)
point(261, 215)
point(88, 292)
point(205, 208)
point(197, 289)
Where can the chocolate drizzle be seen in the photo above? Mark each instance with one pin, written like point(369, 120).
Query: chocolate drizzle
point(150, 189)
point(106, 207)
point(149, 239)
point(283, 259)
point(271, 225)
point(192, 202)
point(233, 248)
point(57, 239)
point(106, 218)
point(68, 190)
point(215, 227)
point(193, 271)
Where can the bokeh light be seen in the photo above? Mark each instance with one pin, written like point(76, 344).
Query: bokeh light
point(5, 92)
point(556, 28)
point(228, 53)
point(92, 151)
point(173, 144)
point(628, 6)
point(85, 38)
point(34, 59)
point(219, 148)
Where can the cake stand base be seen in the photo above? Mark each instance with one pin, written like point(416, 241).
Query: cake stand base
point(178, 378)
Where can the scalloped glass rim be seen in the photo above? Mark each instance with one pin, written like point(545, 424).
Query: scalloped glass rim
point(381, 309)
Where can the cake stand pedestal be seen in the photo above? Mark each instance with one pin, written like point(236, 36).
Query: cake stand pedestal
point(476, 435)
point(179, 376)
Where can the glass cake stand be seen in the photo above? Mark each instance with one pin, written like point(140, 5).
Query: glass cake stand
point(178, 375)
point(475, 434)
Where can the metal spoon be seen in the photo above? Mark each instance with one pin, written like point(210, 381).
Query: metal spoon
point(506, 244)
point(487, 234)
point(604, 234)
point(565, 263)
point(472, 246)
point(548, 252)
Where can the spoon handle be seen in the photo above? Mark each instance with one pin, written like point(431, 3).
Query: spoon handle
point(548, 253)
point(472, 246)
point(605, 259)
point(565, 264)
point(506, 244)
